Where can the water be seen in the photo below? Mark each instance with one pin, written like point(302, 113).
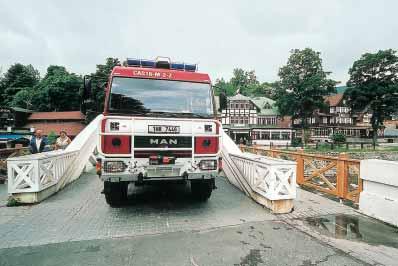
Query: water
point(355, 228)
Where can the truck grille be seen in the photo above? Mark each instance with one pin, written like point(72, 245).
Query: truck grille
point(162, 142)
point(175, 154)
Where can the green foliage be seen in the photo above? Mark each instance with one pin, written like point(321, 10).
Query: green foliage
point(23, 98)
point(222, 86)
point(18, 77)
point(99, 81)
point(296, 142)
point(52, 138)
point(246, 83)
point(12, 202)
point(373, 84)
point(303, 85)
point(338, 138)
point(57, 91)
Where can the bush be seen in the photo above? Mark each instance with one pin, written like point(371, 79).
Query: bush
point(296, 142)
point(52, 137)
point(338, 138)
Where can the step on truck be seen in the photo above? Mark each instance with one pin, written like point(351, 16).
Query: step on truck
point(159, 125)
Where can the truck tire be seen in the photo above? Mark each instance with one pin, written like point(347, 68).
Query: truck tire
point(115, 193)
point(201, 189)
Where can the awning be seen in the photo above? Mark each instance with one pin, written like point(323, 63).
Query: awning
point(8, 137)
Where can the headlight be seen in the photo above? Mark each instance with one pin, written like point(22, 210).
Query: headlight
point(114, 166)
point(208, 164)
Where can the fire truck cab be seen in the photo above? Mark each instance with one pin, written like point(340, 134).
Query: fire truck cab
point(159, 126)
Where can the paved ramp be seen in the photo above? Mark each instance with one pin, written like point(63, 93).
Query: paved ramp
point(79, 212)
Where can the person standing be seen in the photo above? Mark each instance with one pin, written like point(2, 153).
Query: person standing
point(38, 142)
point(62, 141)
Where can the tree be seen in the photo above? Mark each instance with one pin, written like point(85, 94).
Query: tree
point(17, 78)
point(373, 84)
point(302, 86)
point(99, 81)
point(23, 99)
point(244, 81)
point(223, 86)
point(57, 91)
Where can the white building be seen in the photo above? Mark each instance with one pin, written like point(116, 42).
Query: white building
point(256, 120)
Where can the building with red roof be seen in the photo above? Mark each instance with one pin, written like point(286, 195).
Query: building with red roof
point(337, 118)
point(70, 121)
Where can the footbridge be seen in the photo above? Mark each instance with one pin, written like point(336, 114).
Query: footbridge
point(73, 225)
point(32, 178)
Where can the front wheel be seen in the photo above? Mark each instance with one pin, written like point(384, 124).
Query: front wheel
point(201, 189)
point(115, 193)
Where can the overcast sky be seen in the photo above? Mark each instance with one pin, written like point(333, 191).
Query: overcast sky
point(219, 35)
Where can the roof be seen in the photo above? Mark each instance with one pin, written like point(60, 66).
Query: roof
point(266, 105)
point(71, 128)
point(21, 110)
point(69, 115)
point(160, 73)
point(334, 99)
point(239, 97)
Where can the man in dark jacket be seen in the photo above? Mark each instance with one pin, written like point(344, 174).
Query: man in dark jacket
point(38, 142)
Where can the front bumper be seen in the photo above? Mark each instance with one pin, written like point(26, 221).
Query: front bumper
point(146, 172)
point(123, 177)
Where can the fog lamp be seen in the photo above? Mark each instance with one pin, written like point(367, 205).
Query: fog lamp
point(208, 164)
point(114, 166)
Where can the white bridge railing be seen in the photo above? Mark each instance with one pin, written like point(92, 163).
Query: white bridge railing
point(32, 178)
point(271, 182)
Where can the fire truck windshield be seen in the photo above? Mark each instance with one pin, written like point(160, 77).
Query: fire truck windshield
point(144, 96)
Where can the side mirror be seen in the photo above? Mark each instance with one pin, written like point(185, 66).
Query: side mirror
point(87, 87)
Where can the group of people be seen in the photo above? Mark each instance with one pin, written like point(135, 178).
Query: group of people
point(39, 143)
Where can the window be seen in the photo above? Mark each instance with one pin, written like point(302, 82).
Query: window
point(275, 135)
point(142, 96)
point(285, 135)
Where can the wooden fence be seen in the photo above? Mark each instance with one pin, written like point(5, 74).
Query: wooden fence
point(337, 176)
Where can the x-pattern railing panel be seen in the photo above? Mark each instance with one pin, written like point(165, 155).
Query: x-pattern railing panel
point(33, 173)
point(273, 179)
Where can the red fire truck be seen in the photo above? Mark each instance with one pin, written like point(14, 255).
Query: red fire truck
point(159, 126)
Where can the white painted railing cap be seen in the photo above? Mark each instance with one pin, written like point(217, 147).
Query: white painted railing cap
point(37, 156)
point(267, 160)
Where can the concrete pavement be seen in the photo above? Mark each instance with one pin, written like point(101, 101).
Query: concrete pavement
point(166, 227)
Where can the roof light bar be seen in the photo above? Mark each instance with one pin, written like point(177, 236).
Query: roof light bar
point(161, 62)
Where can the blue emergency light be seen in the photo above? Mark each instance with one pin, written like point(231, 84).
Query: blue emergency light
point(161, 62)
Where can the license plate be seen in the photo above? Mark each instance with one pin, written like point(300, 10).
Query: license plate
point(164, 129)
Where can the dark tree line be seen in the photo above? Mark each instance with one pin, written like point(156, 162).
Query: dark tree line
point(59, 90)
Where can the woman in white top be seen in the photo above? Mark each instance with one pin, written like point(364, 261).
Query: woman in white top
point(62, 141)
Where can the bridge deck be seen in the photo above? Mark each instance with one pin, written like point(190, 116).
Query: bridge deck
point(76, 226)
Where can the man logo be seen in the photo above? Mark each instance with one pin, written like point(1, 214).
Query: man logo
point(163, 141)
